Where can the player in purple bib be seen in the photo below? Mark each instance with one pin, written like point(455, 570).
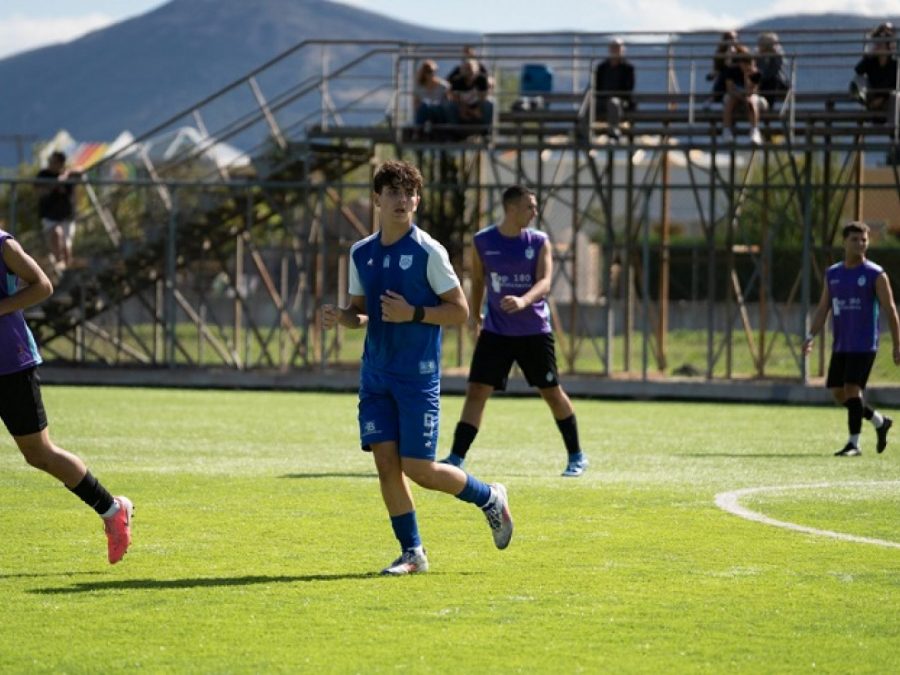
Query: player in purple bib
point(403, 290)
point(855, 292)
point(513, 264)
point(21, 405)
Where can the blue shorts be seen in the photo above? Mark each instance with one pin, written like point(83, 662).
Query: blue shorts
point(401, 409)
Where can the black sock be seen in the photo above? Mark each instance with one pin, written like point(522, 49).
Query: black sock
point(462, 438)
point(92, 493)
point(868, 412)
point(854, 408)
point(569, 430)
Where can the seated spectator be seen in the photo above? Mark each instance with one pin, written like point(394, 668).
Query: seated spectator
point(468, 97)
point(468, 54)
point(773, 79)
point(741, 89)
point(722, 60)
point(876, 73)
point(613, 84)
point(429, 98)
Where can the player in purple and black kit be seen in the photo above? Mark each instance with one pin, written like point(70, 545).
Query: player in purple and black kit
point(402, 290)
point(515, 264)
point(22, 408)
point(854, 291)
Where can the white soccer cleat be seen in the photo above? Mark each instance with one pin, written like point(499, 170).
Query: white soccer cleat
point(412, 561)
point(498, 516)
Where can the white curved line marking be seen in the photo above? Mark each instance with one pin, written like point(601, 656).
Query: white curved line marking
point(730, 501)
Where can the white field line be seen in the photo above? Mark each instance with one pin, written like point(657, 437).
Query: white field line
point(730, 501)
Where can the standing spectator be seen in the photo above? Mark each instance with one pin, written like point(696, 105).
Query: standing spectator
point(468, 98)
point(876, 74)
point(853, 293)
point(613, 85)
point(403, 290)
point(21, 406)
point(773, 78)
point(741, 86)
point(56, 208)
point(429, 97)
point(722, 60)
point(514, 264)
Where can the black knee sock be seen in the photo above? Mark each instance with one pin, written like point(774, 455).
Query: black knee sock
point(868, 412)
point(92, 493)
point(462, 438)
point(854, 408)
point(569, 430)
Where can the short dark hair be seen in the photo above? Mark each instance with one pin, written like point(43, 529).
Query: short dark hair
point(854, 226)
point(58, 156)
point(397, 173)
point(514, 194)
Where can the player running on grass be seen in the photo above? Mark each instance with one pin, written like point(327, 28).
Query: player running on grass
point(854, 291)
point(21, 407)
point(514, 264)
point(403, 290)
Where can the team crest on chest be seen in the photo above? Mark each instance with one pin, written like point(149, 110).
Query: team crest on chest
point(405, 262)
point(861, 282)
point(529, 253)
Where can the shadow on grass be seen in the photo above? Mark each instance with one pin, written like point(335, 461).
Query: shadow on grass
point(331, 474)
point(755, 455)
point(202, 582)
point(39, 575)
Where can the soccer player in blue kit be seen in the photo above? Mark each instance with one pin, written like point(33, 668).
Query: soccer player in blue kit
point(513, 264)
point(21, 405)
point(403, 290)
point(854, 292)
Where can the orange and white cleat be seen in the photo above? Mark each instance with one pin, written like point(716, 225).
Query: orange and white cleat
point(118, 530)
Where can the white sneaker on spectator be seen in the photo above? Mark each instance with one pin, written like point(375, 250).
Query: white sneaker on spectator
point(755, 136)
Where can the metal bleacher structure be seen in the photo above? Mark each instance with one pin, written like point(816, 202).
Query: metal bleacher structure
point(190, 265)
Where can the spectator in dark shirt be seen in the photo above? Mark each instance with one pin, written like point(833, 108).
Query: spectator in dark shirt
point(741, 89)
point(468, 98)
point(722, 60)
point(876, 74)
point(613, 84)
point(773, 78)
point(56, 209)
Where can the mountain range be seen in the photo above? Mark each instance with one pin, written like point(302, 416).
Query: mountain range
point(136, 73)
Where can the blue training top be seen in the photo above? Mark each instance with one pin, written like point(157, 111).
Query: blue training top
point(417, 267)
point(510, 268)
point(18, 350)
point(854, 306)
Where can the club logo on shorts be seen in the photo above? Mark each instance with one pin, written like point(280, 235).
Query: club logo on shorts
point(428, 367)
point(387, 261)
point(405, 262)
point(529, 253)
point(861, 281)
point(549, 376)
point(369, 428)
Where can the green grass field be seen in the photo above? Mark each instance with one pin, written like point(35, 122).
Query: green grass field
point(259, 527)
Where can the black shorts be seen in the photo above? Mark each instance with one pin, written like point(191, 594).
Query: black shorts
point(494, 356)
point(21, 407)
point(849, 368)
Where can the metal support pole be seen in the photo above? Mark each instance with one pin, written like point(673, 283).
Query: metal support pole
point(169, 306)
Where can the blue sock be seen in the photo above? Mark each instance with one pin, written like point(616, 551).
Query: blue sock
point(475, 492)
point(406, 529)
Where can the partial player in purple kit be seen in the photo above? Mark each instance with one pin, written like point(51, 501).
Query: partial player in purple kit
point(856, 291)
point(403, 289)
point(514, 265)
point(21, 405)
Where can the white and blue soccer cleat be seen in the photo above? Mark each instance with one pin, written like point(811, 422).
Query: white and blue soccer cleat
point(498, 516)
point(576, 466)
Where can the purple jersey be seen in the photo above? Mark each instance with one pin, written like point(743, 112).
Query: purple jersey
point(854, 306)
point(510, 268)
point(18, 350)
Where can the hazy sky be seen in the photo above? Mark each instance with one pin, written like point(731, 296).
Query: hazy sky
point(25, 24)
